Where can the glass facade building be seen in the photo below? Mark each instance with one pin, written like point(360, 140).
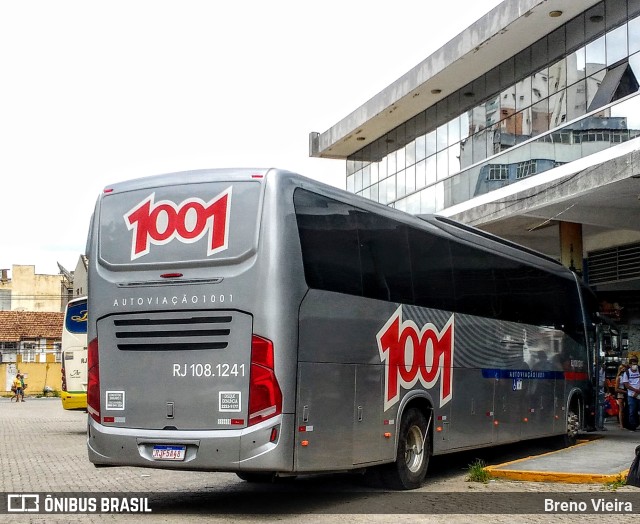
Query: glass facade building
point(570, 94)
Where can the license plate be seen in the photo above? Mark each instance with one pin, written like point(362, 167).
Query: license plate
point(161, 452)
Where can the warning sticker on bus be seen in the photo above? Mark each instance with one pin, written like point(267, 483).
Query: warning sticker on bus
point(229, 401)
point(115, 400)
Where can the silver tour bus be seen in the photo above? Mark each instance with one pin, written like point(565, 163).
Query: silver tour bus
point(258, 322)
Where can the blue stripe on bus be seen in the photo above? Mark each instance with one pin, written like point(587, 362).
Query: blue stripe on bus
point(521, 373)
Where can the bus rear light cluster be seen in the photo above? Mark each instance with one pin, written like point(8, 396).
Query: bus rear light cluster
point(93, 385)
point(265, 396)
point(64, 375)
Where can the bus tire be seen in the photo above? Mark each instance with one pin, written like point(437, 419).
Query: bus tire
point(573, 426)
point(412, 458)
point(255, 477)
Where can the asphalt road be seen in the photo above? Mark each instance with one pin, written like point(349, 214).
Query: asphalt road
point(43, 451)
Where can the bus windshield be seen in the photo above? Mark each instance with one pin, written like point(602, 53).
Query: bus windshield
point(74, 355)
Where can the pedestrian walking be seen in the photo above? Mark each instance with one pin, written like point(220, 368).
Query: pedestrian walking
point(14, 391)
point(24, 386)
point(620, 394)
point(600, 413)
point(631, 382)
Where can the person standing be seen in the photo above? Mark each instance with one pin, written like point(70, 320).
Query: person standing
point(631, 382)
point(620, 394)
point(17, 383)
point(602, 377)
point(23, 387)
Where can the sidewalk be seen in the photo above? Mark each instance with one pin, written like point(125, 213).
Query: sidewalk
point(599, 457)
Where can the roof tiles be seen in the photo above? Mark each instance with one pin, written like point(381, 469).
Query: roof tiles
point(23, 325)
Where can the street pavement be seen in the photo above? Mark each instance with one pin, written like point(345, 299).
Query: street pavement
point(43, 450)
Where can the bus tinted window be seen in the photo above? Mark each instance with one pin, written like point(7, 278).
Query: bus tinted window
point(329, 239)
point(384, 254)
point(499, 287)
point(349, 250)
point(536, 297)
point(431, 269)
point(473, 277)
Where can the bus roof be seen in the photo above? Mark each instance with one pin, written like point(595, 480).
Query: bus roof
point(434, 223)
point(189, 177)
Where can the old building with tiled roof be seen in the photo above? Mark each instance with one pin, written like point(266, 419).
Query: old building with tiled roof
point(29, 336)
point(31, 320)
point(18, 325)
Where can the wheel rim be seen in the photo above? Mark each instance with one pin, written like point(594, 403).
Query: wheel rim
point(573, 425)
point(413, 454)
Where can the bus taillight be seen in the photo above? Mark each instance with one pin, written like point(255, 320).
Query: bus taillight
point(93, 385)
point(64, 375)
point(265, 397)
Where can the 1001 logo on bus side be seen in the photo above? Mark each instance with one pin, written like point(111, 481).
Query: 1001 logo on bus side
point(412, 354)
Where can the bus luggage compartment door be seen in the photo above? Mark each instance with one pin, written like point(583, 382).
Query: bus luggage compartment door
point(369, 441)
point(324, 416)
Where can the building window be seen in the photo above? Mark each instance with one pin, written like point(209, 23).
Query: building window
point(5, 300)
point(498, 172)
point(8, 352)
point(598, 67)
point(28, 352)
point(526, 168)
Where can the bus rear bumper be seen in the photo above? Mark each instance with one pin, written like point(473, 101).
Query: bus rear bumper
point(73, 400)
point(247, 449)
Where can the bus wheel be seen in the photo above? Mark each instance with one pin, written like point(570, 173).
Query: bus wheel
point(573, 426)
point(412, 458)
point(252, 476)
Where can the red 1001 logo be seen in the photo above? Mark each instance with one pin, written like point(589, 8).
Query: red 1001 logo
point(161, 222)
point(412, 354)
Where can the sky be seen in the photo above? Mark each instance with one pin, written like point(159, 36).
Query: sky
point(94, 93)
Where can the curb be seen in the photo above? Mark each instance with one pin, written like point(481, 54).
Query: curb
point(502, 471)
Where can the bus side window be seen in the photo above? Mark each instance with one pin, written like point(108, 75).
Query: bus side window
point(431, 269)
point(329, 241)
point(384, 254)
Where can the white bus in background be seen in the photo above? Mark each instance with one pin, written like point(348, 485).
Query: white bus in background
point(74, 355)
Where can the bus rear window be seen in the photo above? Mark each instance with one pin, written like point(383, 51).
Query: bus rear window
point(207, 222)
